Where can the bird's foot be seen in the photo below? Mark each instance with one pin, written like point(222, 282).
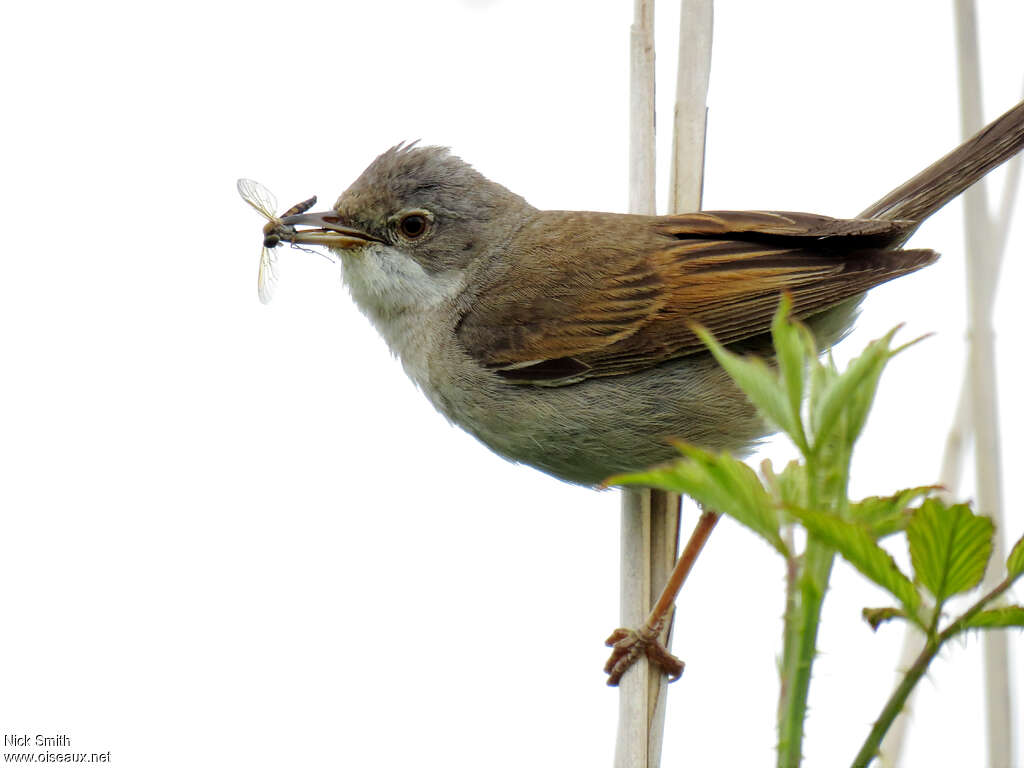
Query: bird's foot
point(628, 644)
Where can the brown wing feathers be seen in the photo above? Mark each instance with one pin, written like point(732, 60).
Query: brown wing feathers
point(632, 304)
point(783, 226)
point(736, 298)
point(649, 278)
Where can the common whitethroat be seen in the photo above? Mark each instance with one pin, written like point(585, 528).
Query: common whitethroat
point(563, 339)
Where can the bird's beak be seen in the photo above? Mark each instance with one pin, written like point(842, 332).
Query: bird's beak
point(327, 229)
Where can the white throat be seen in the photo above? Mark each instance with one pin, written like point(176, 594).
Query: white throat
point(399, 297)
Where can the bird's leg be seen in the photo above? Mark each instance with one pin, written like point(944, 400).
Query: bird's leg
point(628, 644)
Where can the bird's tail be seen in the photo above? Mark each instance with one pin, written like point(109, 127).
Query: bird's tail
point(944, 179)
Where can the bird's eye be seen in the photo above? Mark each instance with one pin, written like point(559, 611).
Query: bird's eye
point(413, 225)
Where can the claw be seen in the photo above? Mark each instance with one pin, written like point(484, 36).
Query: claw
point(628, 644)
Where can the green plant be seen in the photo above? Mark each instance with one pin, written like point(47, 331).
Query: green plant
point(823, 411)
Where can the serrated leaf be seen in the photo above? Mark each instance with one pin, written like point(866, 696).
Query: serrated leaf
point(1006, 616)
point(863, 396)
point(885, 515)
point(949, 547)
point(851, 392)
point(1015, 562)
point(760, 384)
point(823, 373)
point(790, 485)
point(857, 547)
point(794, 347)
point(719, 482)
point(878, 616)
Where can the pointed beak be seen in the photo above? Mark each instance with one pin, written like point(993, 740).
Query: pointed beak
point(326, 228)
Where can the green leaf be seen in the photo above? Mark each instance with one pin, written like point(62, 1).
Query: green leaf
point(863, 397)
point(1007, 616)
point(850, 393)
point(761, 385)
point(823, 374)
point(857, 547)
point(885, 515)
point(790, 486)
point(949, 547)
point(878, 616)
point(719, 482)
point(794, 347)
point(1015, 562)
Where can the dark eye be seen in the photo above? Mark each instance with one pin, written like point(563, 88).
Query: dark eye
point(413, 225)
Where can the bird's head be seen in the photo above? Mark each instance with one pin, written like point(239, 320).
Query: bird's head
point(410, 226)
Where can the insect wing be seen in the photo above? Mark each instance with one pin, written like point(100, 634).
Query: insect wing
point(267, 279)
point(265, 204)
point(259, 197)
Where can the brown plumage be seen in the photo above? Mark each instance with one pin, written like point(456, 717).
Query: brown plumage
point(632, 303)
point(633, 299)
point(565, 339)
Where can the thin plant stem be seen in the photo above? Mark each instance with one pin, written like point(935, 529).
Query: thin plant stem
point(635, 727)
point(789, 634)
point(813, 582)
point(651, 536)
point(804, 600)
point(981, 362)
point(894, 705)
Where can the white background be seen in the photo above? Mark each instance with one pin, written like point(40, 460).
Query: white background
point(236, 535)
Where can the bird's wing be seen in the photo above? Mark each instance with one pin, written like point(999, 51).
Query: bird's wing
point(618, 294)
point(768, 226)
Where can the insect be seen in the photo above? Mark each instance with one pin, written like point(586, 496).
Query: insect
point(264, 202)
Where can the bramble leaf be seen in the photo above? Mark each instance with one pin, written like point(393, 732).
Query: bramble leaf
point(762, 386)
point(794, 348)
point(823, 375)
point(949, 547)
point(885, 515)
point(1006, 616)
point(850, 392)
point(1015, 562)
point(857, 547)
point(719, 482)
point(789, 486)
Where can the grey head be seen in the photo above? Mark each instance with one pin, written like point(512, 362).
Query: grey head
point(434, 207)
point(411, 233)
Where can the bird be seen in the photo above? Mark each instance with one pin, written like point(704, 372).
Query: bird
point(565, 339)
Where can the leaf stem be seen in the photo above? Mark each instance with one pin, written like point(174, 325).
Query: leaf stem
point(899, 697)
point(895, 704)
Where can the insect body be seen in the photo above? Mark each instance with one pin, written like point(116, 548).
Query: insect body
point(264, 202)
